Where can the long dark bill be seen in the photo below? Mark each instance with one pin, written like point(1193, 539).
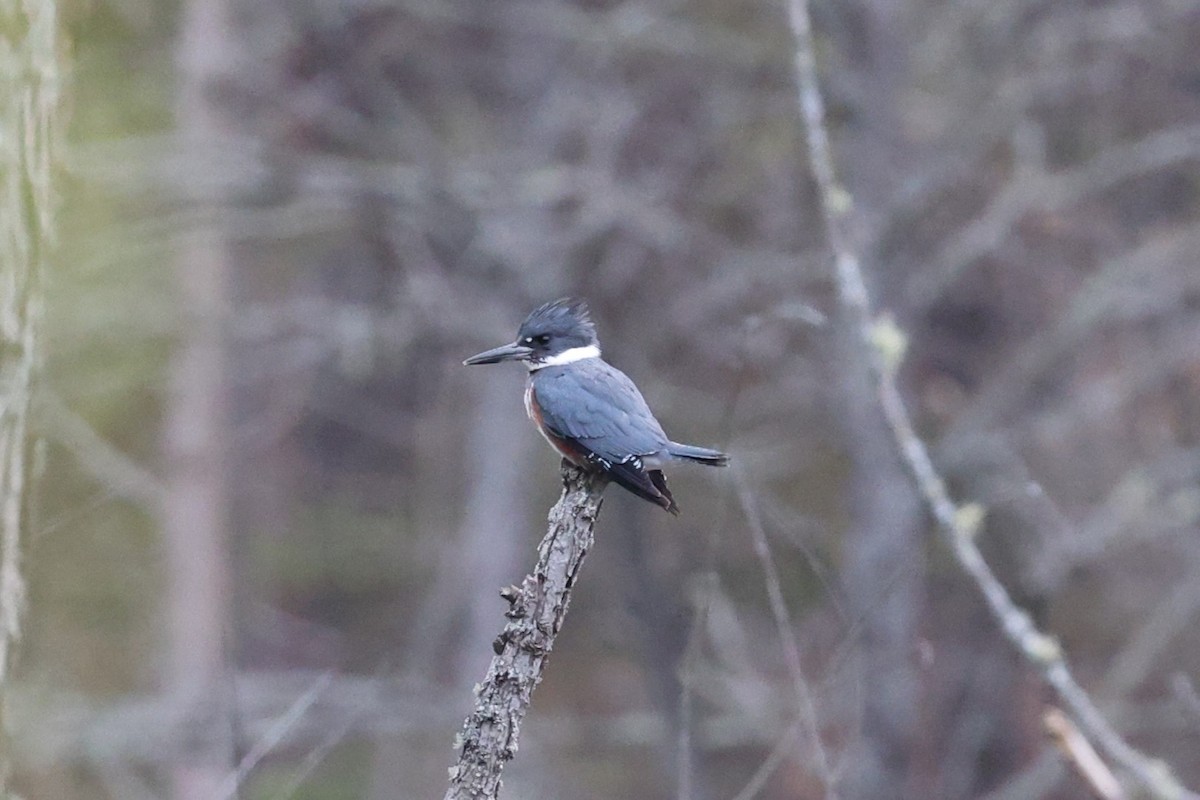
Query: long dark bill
point(505, 352)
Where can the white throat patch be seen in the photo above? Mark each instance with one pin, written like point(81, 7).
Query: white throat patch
point(566, 357)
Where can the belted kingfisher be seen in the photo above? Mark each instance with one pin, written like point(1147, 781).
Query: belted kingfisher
point(588, 410)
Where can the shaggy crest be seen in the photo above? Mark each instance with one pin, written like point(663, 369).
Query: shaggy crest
point(567, 317)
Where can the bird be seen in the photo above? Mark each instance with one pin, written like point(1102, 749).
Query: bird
point(589, 411)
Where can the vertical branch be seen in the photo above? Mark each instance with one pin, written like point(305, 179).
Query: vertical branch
point(884, 344)
point(29, 76)
point(537, 609)
point(887, 511)
point(487, 550)
point(196, 424)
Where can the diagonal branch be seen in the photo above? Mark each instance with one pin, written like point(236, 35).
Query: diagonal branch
point(537, 609)
point(791, 649)
point(275, 735)
point(118, 472)
point(883, 345)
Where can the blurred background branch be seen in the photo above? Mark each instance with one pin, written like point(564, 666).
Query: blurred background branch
point(271, 263)
point(960, 523)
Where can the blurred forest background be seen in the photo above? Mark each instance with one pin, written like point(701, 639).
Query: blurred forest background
point(271, 510)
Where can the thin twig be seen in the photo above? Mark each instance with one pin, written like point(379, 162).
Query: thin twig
point(787, 637)
point(274, 736)
point(316, 756)
point(1079, 751)
point(767, 768)
point(1187, 697)
point(701, 602)
point(115, 470)
point(958, 524)
point(1170, 618)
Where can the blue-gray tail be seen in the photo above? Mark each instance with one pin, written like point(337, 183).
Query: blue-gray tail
point(701, 455)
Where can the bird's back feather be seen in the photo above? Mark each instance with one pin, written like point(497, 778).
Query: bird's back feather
point(598, 405)
point(592, 406)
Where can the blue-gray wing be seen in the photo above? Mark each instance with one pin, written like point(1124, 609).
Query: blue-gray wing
point(597, 405)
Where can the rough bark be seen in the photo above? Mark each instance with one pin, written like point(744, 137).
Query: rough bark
point(29, 79)
point(537, 609)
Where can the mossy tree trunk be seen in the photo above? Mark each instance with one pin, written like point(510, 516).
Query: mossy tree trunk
point(29, 107)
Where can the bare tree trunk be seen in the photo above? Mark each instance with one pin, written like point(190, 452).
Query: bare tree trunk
point(882, 570)
point(456, 620)
point(882, 577)
point(29, 75)
point(196, 420)
point(498, 516)
point(537, 609)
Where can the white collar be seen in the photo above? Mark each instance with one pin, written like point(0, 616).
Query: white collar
point(566, 357)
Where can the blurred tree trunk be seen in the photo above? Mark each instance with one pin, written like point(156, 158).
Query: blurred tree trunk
point(883, 566)
point(660, 621)
point(882, 575)
point(498, 521)
point(459, 620)
point(28, 135)
point(196, 414)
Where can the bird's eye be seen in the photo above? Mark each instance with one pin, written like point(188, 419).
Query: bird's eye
point(542, 338)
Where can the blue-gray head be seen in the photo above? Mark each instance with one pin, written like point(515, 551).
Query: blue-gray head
point(558, 332)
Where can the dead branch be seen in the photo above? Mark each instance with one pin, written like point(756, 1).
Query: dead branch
point(1079, 751)
point(807, 707)
point(884, 344)
point(536, 611)
point(116, 471)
